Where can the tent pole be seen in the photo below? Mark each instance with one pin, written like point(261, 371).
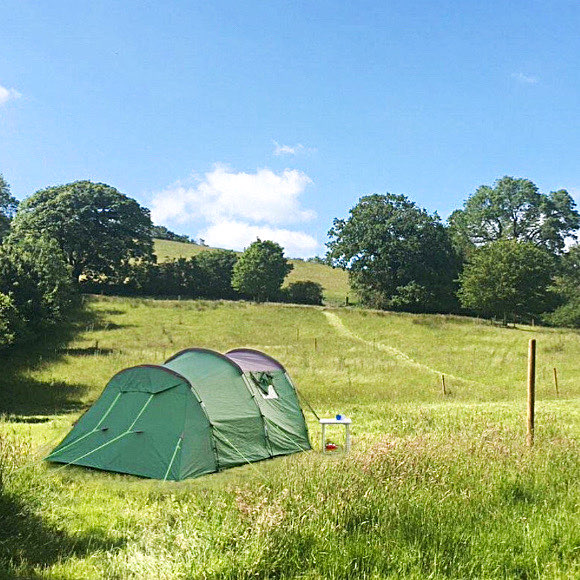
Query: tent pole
point(179, 440)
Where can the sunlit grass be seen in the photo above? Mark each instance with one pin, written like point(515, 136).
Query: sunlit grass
point(436, 486)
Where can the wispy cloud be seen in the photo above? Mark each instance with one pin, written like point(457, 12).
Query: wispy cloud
point(8, 95)
point(233, 208)
point(280, 150)
point(525, 79)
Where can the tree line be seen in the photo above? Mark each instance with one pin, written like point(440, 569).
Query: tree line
point(89, 237)
point(507, 254)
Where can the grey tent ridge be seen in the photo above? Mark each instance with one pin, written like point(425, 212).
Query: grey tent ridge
point(199, 412)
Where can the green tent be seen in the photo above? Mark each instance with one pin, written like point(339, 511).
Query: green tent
point(200, 412)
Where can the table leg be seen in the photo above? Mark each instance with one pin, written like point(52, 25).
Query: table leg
point(347, 438)
point(323, 438)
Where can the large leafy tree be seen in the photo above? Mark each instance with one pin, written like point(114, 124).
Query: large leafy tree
point(260, 270)
point(98, 229)
point(398, 256)
point(8, 205)
point(515, 209)
point(507, 279)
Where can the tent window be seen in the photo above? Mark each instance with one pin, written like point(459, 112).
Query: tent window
point(263, 381)
point(271, 394)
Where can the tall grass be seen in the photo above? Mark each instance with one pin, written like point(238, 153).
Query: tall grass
point(435, 487)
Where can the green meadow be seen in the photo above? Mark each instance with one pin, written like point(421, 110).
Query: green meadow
point(436, 486)
point(333, 280)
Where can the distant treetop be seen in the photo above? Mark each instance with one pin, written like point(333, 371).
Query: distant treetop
point(162, 233)
point(514, 209)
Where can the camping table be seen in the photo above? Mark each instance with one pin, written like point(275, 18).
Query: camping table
point(343, 421)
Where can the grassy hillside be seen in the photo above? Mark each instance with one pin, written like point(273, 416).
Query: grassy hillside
point(169, 250)
point(436, 486)
point(333, 280)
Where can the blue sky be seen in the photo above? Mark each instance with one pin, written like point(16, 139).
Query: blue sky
point(237, 119)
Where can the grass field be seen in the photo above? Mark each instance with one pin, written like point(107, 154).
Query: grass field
point(333, 280)
point(435, 487)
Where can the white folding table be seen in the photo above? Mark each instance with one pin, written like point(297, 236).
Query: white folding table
point(342, 421)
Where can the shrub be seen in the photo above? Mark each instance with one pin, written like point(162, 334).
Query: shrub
point(35, 276)
point(303, 292)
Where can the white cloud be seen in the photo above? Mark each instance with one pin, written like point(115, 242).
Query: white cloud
point(222, 194)
point(239, 235)
point(525, 79)
point(8, 95)
point(234, 208)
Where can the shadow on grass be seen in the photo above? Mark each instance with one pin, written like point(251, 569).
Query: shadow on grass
point(23, 395)
point(28, 542)
point(26, 419)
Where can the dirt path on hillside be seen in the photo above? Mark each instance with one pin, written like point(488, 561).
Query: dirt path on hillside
point(335, 321)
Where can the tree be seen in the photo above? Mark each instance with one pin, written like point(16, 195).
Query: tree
point(515, 209)
point(507, 278)
point(569, 278)
point(178, 277)
point(216, 268)
point(8, 205)
point(9, 321)
point(260, 271)
point(398, 256)
point(33, 273)
point(567, 285)
point(97, 228)
point(162, 233)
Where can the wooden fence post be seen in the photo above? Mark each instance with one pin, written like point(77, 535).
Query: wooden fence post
point(315, 344)
point(556, 381)
point(531, 390)
point(443, 383)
